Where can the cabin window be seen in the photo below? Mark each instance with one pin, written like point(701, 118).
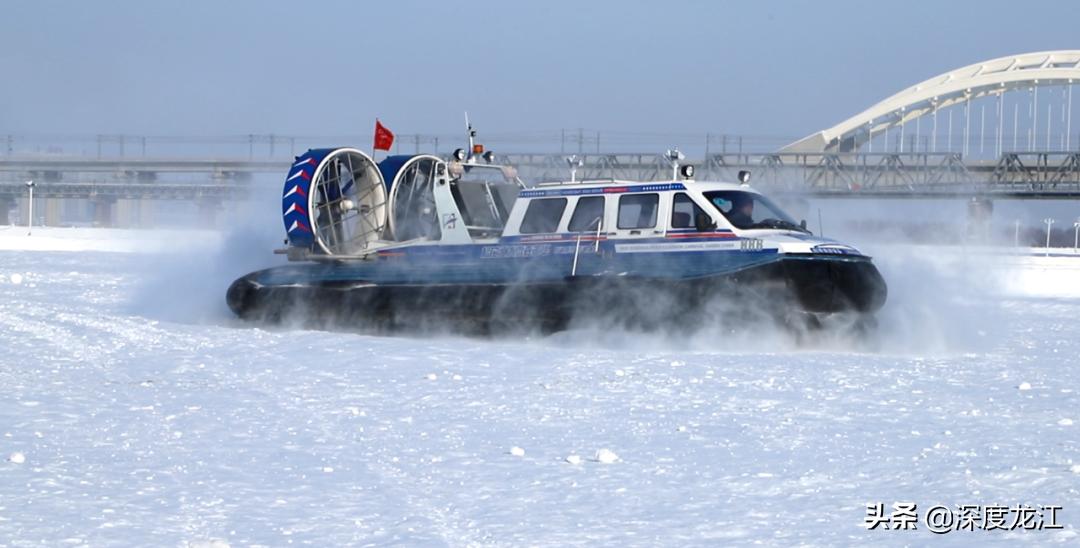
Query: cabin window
point(588, 214)
point(750, 210)
point(638, 210)
point(543, 216)
point(484, 196)
point(684, 212)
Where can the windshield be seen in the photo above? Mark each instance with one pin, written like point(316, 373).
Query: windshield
point(484, 196)
point(750, 210)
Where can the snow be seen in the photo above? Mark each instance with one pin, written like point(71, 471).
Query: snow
point(16, 238)
point(143, 414)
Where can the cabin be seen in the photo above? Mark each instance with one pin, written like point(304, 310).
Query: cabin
point(358, 206)
point(479, 203)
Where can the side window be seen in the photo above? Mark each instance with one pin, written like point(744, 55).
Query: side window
point(638, 210)
point(543, 215)
point(684, 212)
point(588, 214)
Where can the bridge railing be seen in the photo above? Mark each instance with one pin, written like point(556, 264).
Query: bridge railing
point(865, 173)
point(844, 173)
point(284, 147)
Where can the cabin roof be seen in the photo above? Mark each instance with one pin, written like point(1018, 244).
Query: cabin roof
point(622, 186)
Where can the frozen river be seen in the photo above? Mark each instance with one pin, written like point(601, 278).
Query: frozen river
point(135, 411)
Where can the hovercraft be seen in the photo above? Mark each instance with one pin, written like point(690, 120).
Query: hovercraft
point(417, 242)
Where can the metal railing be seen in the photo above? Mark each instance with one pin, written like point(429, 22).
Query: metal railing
point(1033, 173)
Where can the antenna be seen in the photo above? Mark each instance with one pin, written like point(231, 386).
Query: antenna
point(471, 132)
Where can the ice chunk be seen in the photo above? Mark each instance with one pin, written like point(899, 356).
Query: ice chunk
point(606, 456)
point(17, 458)
point(573, 459)
point(517, 451)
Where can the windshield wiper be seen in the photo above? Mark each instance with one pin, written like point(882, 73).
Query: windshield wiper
point(779, 224)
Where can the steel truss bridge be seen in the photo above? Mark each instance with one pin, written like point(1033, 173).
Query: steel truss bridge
point(1040, 174)
point(134, 178)
point(1001, 127)
point(1036, 174)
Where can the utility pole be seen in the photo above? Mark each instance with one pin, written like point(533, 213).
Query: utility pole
point(1076, 234)
point(1049, 223)
point(30, 207)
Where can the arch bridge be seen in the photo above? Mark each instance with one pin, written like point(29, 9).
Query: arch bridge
point(1014, 81)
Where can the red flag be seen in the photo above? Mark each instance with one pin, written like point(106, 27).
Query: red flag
point(384, 138)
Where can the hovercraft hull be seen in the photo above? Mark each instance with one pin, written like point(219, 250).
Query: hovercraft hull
point(337, 297)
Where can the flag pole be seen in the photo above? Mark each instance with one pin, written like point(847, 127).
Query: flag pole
point(374, 136)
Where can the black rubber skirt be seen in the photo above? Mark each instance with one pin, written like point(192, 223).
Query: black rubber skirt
point(812, 284)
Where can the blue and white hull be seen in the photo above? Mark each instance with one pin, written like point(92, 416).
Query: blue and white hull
point(513, 284)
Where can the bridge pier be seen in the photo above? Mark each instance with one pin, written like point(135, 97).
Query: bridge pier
point(209, 211)
point(146, 213)
point(103, 211)
point(47, 211)
point(125, 213)
point(24, 211)
point(133, 213)
point(5, 208)
point(78, 210)
point(52, 211)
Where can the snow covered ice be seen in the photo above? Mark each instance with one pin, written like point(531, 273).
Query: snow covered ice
point(145, 415)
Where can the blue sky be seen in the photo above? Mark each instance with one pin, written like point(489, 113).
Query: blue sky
point(328, 68)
